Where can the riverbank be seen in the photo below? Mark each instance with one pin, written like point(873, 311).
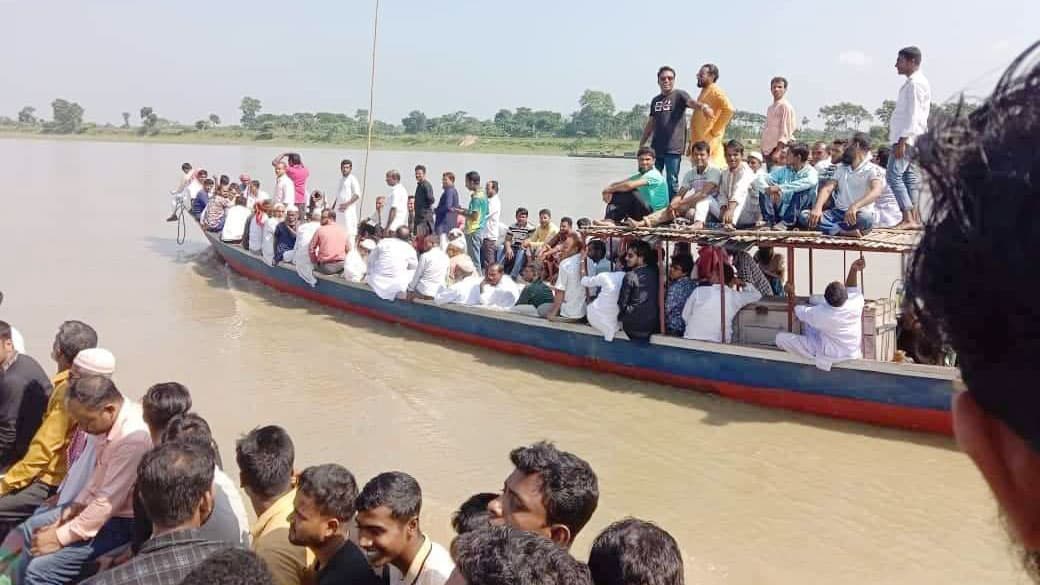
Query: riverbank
point(427, 143)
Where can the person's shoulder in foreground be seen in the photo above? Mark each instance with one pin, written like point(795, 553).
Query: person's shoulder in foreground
point(984, 170)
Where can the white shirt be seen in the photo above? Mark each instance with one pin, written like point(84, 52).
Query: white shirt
point(229, 522)
point(910, 118)
point(302, 251)
point(703, 311)
point(183, 185)
point(460, 292)
point(256, 234)
point(267, 245)
point(354, 266)
point(501, 296)
point(834, 333)
point(390, 267)
point(854, 184)
point(435, 567)
point(603, 311)
point(494, 219)
point(569, 281)
point(285, 191)
point(823, 167)
point(235, 223)
point(886, 209)
point(399, 201)
point(194, 187)
point(348, 218)
point(432, 272)
point(735, 188)
point(17, 340)
point(693, 181)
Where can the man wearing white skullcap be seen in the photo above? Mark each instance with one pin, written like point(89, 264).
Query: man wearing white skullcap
point(40, 471)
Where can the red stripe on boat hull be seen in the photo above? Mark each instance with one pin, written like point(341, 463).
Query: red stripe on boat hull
point(918, 419)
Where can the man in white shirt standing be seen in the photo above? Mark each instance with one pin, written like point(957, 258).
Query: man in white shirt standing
point(398, 202)
point(832, 324)
point(182, 193)
point(347, 196)
point(284, 190)
point(432, 272)
point(490, 233)
point(909, 120)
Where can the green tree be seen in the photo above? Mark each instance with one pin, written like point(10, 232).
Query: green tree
point(884, 113)
point(415, 123)
point(745, 125)
point(149, 121)
point(630, 123)
point(214, 119)
point(250, 108)
point(68, 117)
point(596, 116)
point(201, 125)
point(844, 117)
point(126, 119)
point(362, 118)
point(27, 115)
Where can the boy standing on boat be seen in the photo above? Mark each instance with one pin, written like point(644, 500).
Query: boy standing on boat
point(832, 323)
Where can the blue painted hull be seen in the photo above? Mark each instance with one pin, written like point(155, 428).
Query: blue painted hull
point(913, 397)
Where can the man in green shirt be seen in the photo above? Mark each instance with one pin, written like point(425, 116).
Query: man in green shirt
point(637, 196)
point(476, 217)
point(536, 293)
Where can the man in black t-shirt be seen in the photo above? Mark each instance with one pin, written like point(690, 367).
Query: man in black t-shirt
point(667, 125)
point(322, 510)
point(24, 391)
point(424, 202)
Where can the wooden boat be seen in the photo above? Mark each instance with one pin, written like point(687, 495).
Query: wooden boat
point(900, 395)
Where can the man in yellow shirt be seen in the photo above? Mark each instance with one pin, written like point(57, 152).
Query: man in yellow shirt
point(708, 124)
point(37, 475)
point(265, 458)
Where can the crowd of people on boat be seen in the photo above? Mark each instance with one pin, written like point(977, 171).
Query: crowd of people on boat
point(418, 246)
point(100, 487)
point(106, 490)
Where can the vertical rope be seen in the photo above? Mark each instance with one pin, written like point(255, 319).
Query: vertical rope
point(371, 110)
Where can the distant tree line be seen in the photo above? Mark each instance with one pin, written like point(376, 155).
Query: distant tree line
point(596, 118)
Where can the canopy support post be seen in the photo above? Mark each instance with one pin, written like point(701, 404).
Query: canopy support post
point(790, 281)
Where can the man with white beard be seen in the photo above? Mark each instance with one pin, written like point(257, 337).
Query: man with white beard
point(971, 284)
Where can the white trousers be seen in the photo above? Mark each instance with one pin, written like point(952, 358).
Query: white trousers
point(711, 205)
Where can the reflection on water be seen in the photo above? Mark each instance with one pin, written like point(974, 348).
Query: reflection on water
point(753, 495)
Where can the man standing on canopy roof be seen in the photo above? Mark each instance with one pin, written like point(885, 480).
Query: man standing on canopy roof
point(709, 123)
point(667, 126)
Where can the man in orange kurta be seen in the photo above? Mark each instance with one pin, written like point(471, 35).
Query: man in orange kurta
point(709, 124)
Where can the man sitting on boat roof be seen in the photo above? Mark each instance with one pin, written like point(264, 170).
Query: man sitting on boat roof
point(698, 184)
point(637, 196)
point(788, 189)
point(971, 282)
point(855, 186)
point(832, 323)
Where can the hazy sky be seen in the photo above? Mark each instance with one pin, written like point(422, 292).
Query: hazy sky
point(190, 58)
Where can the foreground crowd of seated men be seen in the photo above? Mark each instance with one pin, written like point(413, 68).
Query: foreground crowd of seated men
point(102, 489)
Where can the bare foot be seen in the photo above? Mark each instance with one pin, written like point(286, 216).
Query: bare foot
point(631, 222)
point(602, 222)
point(907, 225)
point(851, 233)
point(697, 225)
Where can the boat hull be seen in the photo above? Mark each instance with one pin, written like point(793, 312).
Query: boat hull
point(873, 393)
